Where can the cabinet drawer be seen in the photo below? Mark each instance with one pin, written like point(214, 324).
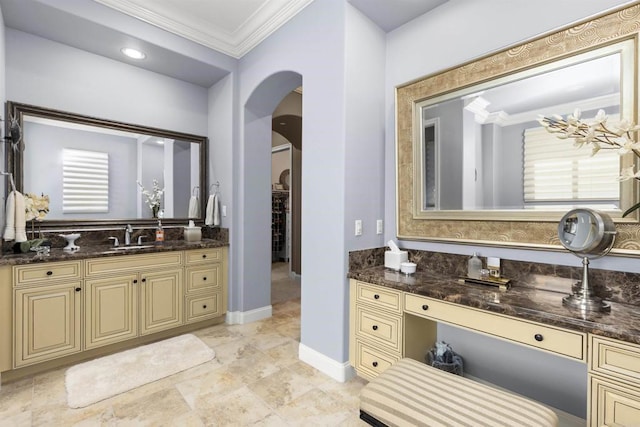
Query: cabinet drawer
point(204, 278)
point(198, 256)
point(132, 263)
point(379, 296)
point(42, 273)
point(557, 341)
point(615, 359)
point(612, 404)
point(370, 362)
point(201, 307)
point(378, 327)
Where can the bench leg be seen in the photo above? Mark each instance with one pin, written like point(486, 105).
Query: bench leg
point(371, 420)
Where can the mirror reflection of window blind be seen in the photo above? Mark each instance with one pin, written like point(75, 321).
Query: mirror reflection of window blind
point(85, 183)
point(556, 170)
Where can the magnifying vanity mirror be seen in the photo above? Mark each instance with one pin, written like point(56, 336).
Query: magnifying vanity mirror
point(90, 167)
point(475, 166)
point(588, 234)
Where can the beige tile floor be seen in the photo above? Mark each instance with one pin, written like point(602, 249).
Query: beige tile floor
point(256, 379)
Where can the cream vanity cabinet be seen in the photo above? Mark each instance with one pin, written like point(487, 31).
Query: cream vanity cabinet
point(67, 307)
point(47, 317)
point(614, 383)
point(376, 328)
point(205, 288)
point(130, 296)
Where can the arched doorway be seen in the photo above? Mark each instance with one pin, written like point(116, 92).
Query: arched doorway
point(253, 252)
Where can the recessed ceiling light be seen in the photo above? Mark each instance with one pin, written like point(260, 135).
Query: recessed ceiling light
point(133, 53)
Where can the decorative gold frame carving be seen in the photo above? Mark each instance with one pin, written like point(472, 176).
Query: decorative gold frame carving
point(606, 29)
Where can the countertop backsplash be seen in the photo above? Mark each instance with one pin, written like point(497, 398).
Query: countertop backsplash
point(92, 236)
point(615, 286)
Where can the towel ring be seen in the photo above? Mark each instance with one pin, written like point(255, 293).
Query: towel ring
point(11, 181)
point(217, 185)
point(195, 191)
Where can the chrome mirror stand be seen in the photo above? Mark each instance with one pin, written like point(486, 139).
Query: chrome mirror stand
point(588, 234)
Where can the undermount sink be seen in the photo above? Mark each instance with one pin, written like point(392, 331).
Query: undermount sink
point(131, 247)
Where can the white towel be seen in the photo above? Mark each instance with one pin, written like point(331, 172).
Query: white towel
point(15, 227)
point(216, 211)
point(194, 207)
point(21, 226)
point(10, 213)
point(208, 220)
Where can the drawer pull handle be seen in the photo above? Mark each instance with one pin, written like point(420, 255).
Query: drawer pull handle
point(78, 289)
point(204, 306)
point(538, 337)
point(375, 327)
point(425, 307)
point(204, 255)
point(144, 280)
point(49, 273)
point(204, 278)
point(375, 364)
point(376, 296)
point(135, 280)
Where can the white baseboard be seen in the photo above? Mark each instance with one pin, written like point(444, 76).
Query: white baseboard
point(340, 372)
point(242, 317)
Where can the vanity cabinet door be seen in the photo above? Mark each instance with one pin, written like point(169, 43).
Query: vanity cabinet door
point(613, 404)
point(614, 382)
point(111, 308)
point(161, 300)
point(47, 322)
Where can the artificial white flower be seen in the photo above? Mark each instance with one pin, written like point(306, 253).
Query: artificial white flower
point(628, 173)
point(153, 198)
point(35, 207)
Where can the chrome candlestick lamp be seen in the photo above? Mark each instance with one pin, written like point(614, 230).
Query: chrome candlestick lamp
point(588, 234)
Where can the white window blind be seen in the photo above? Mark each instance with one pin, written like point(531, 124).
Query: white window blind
point(85, 178)
point(556, 170)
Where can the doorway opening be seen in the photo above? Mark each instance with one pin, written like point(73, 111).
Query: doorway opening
point(286, 163)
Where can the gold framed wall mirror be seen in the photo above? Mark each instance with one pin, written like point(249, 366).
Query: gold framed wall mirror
point(466, 138)
point(90, 168)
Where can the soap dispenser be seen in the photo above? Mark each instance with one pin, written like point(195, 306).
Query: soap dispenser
point(474, 267)
point(159, 233)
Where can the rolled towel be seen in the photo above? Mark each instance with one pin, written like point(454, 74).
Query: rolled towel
point(10, 213)
point(208, 220)
point(216, 211)
point(21, 224)
point(194, 207)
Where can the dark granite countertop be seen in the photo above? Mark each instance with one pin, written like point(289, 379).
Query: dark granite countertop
point(528, 303)
point(95, 251)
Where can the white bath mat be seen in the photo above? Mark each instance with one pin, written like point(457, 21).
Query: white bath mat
point(99, 379)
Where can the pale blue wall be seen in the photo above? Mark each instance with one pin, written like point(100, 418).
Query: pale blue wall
point(312, 45)
point(80, 82)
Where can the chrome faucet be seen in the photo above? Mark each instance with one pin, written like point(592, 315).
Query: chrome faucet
point(127, 234)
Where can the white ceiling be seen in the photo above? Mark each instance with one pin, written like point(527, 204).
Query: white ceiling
point(231, 27)
point(234, 27)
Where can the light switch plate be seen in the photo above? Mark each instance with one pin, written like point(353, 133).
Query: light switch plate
point(358, 227)
point(379, 227)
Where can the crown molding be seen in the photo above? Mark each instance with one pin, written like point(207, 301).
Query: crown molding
point(263, 22)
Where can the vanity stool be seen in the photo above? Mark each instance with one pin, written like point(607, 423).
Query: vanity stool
point(411, 393)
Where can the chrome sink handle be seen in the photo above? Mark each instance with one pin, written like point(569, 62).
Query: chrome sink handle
point(116, 242)
point(140, 238)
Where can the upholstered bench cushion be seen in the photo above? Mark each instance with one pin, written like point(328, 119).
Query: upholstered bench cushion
point(411, 393)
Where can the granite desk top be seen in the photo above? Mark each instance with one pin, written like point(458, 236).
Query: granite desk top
point(527, 303)
point(96, 251)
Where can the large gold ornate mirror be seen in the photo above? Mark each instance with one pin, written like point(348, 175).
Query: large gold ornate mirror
point(469, 144)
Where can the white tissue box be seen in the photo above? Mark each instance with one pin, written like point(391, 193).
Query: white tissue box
point(393, 260)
